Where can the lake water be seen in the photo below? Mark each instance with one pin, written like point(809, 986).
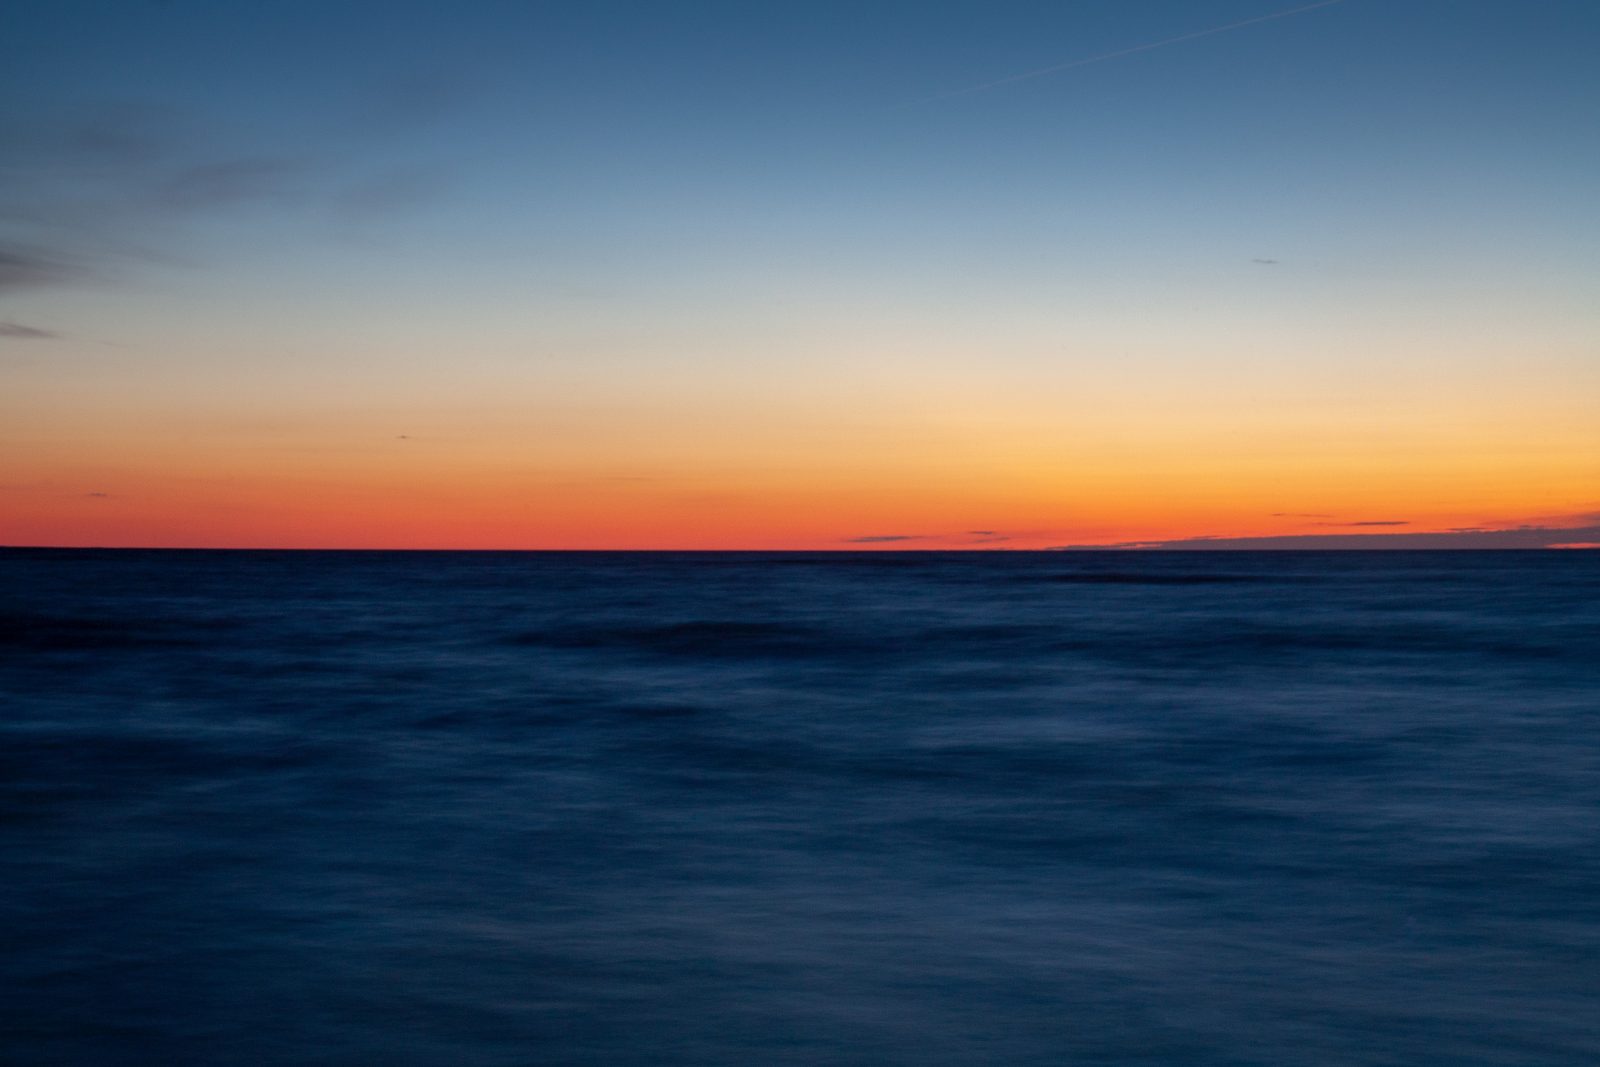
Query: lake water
point(777, 809)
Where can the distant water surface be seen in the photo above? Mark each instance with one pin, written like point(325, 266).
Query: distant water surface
point(1195, 809)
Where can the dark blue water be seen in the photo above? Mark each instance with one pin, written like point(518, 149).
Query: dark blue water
point(504, 809)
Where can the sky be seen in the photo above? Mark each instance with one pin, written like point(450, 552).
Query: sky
point(1232, 273)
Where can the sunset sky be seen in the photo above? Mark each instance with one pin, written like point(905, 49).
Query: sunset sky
point(915, 275)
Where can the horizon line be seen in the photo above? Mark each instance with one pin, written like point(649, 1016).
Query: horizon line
point(1128, 549)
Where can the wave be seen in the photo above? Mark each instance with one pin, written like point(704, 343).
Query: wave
point(1147, 578)
point(706, 637)
point(66, 633)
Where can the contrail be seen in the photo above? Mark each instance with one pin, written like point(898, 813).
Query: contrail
point(1104, 56)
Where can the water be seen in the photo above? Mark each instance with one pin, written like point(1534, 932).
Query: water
point(510, 809)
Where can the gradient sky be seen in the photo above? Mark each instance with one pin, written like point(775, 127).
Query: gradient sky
point(809, 275)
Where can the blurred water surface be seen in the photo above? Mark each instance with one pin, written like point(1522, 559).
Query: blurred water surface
point(878, 809)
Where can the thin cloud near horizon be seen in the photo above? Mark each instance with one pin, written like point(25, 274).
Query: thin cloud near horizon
point(1513, 537)
point(878, 539)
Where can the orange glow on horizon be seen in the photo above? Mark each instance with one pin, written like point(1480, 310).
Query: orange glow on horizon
point(377, 506)
point(927, 470)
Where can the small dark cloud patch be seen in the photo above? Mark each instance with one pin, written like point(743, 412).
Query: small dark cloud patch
point(982, 533)
point(1300, 515)
point(879, 539)
point(1266, 262)
point(17, 331)
point(98, 494)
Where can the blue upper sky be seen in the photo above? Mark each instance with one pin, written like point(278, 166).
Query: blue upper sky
point(825, 128)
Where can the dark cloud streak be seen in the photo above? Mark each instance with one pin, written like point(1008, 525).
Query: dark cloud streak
point(1517, 537)
point(18, 332)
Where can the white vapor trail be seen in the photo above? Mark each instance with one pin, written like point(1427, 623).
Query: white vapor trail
point(1119, 53)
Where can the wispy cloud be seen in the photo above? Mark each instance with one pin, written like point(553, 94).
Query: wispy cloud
point(18, 332)
point(85, 191)
point(26, 266)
